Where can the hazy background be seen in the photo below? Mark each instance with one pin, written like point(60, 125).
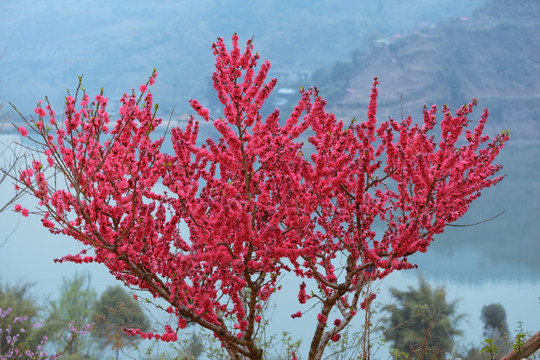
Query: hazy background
point(443, 52)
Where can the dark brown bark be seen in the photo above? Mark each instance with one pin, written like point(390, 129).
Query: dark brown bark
point(529, 347)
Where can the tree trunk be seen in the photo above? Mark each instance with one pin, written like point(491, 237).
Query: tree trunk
point(529, 347)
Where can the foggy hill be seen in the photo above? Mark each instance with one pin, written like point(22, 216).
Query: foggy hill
point(116, 44)
point(493, 55)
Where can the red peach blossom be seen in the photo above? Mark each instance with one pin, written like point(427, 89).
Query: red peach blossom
point(300, 196)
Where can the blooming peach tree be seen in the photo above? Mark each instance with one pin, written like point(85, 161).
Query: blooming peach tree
point(259, 202)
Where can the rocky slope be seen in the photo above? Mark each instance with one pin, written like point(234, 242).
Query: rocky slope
point(493, 55)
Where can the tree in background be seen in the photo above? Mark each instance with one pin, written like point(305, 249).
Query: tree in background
point(495, 327)
point(15, 347)
point(22, 304)
point(75, 305)
point(422, 323)
point(494, 319)
point(21, 337)
point(497, 340)
point(115, 311)
point(258, 203)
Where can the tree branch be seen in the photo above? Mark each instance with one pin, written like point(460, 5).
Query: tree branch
point(530, 347)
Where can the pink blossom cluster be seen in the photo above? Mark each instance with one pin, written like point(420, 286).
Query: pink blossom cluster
point(258, 201)
point(18, 208)
point(168, 336)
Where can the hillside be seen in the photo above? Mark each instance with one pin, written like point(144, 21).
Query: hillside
point(493, 55)
point(116, 44)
